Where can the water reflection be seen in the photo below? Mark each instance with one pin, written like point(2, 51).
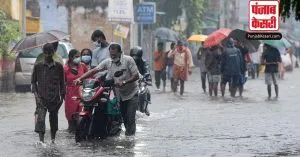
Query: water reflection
point(50, 150)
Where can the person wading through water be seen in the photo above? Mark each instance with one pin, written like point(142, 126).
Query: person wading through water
point(182, 65)
point(271, 58)
point(202, 53)
point(212, 62)
point(48, 86)
point(124, 72)
point(170, 64)
point(73, 70)
point(159, 66)
point(231, 67)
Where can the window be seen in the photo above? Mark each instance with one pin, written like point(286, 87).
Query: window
point(62, 51)
point(35, 52)
point(31, 53)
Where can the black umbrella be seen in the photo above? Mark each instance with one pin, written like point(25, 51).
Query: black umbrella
point(166, 34)
point(39, 39)
point(252, 45)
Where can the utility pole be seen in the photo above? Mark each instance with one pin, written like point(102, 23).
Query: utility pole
point(142, 30)
point(24, 18)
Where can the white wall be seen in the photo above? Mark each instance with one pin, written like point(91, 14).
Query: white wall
point(52, 16)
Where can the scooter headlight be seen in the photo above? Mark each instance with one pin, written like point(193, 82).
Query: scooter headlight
point(87, 94)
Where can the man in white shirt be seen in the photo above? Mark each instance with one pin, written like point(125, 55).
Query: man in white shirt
point(101, 52)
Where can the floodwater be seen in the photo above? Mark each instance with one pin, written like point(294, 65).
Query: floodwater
point(192, 125)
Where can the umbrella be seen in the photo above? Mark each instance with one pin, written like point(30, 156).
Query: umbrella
point(197, 38)
point(166, 34)
point(239, 34)
point(283, 42)
point(216, 37)
point(39, 39)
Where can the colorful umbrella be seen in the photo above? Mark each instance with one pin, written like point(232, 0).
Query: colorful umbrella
point(283, 42)
point(197, 38)
point(216, 37)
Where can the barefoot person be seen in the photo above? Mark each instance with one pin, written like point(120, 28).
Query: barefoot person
point(272, 59)
point(182, 65)
point(48, 86)
point(159, 66)
point(202, 53)
point(170, 64)
point(212, 62)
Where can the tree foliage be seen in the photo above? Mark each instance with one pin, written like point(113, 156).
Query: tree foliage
point(173, 9)
point(289, 6)
point(194, 14)
point(9, 30)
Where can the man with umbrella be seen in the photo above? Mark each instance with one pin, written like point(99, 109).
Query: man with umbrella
point(48, 86)
point(159, 66)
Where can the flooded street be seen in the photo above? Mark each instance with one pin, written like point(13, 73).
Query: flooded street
point(192, 125)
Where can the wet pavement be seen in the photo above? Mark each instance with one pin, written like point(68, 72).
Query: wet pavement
point(192, 125)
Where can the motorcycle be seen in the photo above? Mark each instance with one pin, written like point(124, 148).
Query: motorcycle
point(144, 94)
point(100, 116)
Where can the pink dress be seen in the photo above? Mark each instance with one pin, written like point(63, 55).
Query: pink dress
point(72, 103)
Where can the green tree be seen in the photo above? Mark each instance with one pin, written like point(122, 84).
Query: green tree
point(289, 6)
point(194, 13)
point(9, 31)
point(173, 9)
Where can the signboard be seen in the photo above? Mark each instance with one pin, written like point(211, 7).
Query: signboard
point(145, 13)
point(264, 15)
point(120, 10)
point(121, 31)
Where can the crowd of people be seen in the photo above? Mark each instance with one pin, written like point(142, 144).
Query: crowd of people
point(230, 62)
point(176, 64)
point(53, 82)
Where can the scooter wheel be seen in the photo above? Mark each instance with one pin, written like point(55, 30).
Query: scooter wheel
point(82, 129)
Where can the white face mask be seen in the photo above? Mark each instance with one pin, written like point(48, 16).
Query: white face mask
point(86, 59)
point(76, 60)
point(97, 44)
point(116, 60)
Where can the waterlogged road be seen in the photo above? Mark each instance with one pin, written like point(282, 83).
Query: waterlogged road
point(192, 125)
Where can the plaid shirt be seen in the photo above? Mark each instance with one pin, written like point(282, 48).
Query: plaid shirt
point(48, 81)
